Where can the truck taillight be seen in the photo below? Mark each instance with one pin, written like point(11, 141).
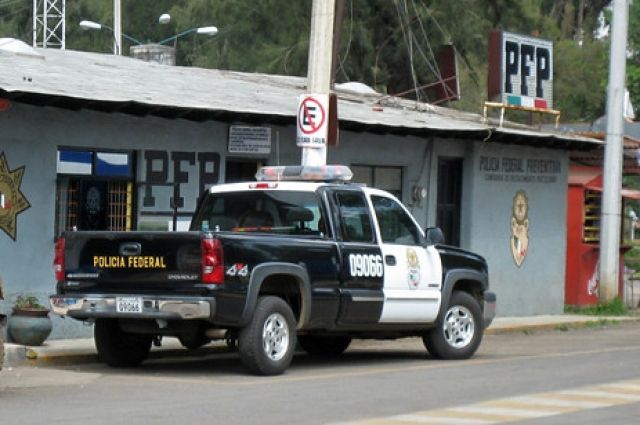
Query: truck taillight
point(212, 261)
point(58, 260)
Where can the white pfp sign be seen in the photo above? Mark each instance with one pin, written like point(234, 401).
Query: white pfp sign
point(520, 70)
point(312, 120)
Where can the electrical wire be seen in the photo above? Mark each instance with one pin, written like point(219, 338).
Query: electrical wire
point(14, 12)
point(432, 65)
point(4, 3)
point(342, 59)
point(474, 74)
point(408, 39)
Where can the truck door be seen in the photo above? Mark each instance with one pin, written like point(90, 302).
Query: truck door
point(362, 271)
point(413, 272)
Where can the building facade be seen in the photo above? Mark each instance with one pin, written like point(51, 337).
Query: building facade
point(68, 161)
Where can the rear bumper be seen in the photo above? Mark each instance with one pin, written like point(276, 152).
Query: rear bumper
point(154, 307)
point(489, 308)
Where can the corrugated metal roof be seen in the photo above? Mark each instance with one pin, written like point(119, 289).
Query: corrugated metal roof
point(117, 83)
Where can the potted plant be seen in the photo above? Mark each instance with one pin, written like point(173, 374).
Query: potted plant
point(3, 322)
point(29, 322)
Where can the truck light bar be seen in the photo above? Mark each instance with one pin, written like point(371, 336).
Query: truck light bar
point(325, 173)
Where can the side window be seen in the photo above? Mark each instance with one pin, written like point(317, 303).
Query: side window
point(354, 217)
point(277, 211)
point(395, 224)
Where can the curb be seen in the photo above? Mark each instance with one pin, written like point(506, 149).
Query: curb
point(20, 356)
point(83, 351)
point(562, 325)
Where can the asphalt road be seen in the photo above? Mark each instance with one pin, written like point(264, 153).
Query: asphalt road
point(586, 376)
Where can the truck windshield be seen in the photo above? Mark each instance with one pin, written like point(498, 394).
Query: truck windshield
point(281, 212)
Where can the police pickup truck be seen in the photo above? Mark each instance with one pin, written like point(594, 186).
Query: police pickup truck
point(270, 263)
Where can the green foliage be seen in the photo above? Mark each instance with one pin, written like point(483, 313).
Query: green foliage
point(388, 44)
point(28, 302)
point(632, 257)
point(633, 60)
point(612, 308)
point(580, 79)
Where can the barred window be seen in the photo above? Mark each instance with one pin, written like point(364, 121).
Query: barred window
point(94, 191)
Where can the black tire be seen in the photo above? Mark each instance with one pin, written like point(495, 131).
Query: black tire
point(458, 331)
point(324, 345)
point(267, 343)
point(118, 348)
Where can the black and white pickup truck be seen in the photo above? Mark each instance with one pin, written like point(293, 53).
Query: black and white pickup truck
point(275, 262)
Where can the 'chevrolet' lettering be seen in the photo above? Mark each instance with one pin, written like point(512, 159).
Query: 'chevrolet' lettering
point(135, 262)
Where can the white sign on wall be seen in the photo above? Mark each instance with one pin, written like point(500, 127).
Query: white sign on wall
point(246, 139)
point(521, 70)
point(313, 120)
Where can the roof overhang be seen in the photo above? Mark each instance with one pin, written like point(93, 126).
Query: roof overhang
point(108, 83)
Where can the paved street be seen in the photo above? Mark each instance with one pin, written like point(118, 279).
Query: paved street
point(580, 376)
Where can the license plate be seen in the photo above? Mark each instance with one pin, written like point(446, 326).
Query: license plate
point(129, 304)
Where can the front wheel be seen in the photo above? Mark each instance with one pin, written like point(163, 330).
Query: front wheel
point(268, 342)
point(118, 348)
point(458, 331)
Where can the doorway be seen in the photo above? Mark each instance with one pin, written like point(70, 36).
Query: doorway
point(449, 198)
point(241, 170)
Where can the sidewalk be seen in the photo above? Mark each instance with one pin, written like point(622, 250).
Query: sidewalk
point(74, 351)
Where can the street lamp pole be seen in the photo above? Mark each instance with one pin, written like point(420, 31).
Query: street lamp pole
point(118, 35)
point(210, 30)
point(117, 28)
point(90, 25)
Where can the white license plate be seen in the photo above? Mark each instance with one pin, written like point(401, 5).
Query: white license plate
point(129, 304)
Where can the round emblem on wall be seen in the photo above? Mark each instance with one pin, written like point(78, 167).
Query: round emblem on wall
point(520, 227)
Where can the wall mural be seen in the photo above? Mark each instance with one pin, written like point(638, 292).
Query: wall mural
point(12, 200)
point(520, 227)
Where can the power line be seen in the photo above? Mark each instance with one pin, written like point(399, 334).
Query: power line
point(4, 3)
point(408, 39)
point(14, 12)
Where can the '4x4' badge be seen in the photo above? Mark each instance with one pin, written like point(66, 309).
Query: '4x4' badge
point(238, 269)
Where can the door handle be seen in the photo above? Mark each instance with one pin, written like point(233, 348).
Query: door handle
point(130, 248)
point(390, 260)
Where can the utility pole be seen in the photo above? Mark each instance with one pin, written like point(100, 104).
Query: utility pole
point(319, 66)
point(117, 28)
point(610, 220)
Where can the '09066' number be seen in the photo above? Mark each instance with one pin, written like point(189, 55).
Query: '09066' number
point(366, 265)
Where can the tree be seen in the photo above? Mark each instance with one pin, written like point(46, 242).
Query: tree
point(387, 44)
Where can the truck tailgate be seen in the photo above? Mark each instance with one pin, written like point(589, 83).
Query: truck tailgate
point(126, 260)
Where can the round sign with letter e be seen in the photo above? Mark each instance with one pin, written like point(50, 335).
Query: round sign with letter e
point(312, 121)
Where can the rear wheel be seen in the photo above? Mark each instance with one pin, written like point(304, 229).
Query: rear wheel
point(322, 345)
point(458, 331)
point(118, 348)
point(267, 343)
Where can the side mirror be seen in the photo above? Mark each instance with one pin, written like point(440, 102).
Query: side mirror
point(434, 236)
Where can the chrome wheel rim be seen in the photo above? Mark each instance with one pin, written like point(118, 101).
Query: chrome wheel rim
point(275, 336)
point(458, 327)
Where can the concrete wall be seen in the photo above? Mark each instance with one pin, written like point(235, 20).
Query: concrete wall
point(31, 136)
point(496, 173)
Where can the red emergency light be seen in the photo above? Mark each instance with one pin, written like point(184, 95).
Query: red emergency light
point(5, 104)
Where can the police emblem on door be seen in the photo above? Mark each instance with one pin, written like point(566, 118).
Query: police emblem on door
point(413, 266)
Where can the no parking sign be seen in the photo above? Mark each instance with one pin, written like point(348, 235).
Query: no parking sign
point(312, 120)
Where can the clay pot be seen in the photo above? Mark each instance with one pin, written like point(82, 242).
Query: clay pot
point(29, 326)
